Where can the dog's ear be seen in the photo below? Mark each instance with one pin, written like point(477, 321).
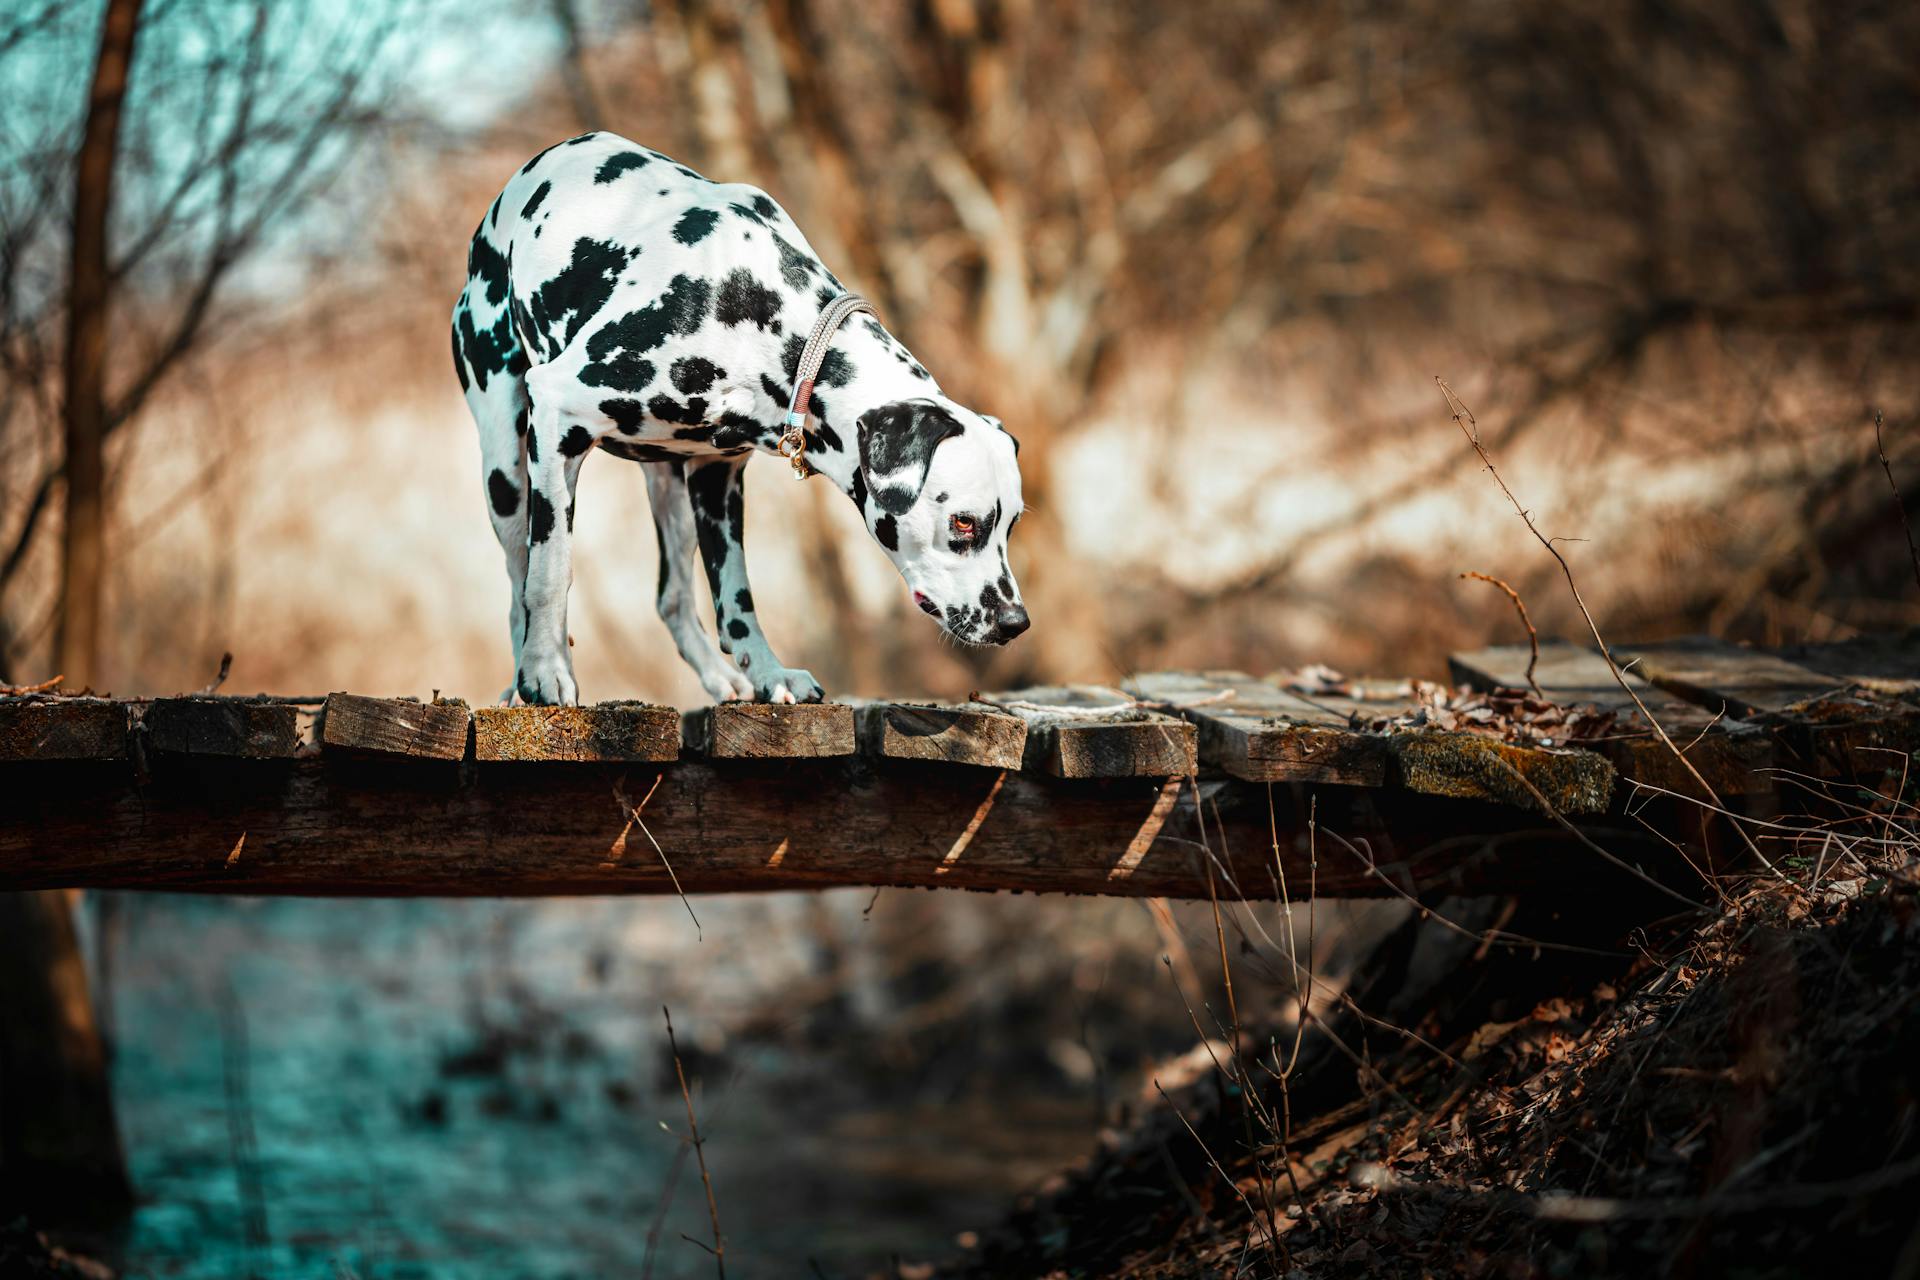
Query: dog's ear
point(897, 441)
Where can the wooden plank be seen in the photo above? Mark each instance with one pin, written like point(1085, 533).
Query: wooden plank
point(771, 731)
point(606, 731)
point(1082, 731)
point(44, 728)
point(311, 827)
point(250, 728)
point(1888, 664)
point(1733, 761)
point(972, 733)
point(399, 727)
point(1470, 766)
point(1720, 676)
point(1260, 732)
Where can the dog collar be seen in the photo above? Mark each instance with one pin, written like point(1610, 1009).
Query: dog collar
point(792, 444)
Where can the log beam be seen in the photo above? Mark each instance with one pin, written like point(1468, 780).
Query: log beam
point(378, 826)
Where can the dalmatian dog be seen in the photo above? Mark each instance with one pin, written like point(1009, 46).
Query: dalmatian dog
point(618, 301)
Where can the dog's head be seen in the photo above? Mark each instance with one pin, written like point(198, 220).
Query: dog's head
point(942, 493)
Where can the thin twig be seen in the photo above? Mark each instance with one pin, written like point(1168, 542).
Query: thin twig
point(1533, 637)
point(1899, 504)
point(699, 1151)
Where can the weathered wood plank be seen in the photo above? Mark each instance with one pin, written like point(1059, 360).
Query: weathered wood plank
point(770, 731)
point(312, 827)
point(1888, 664)
point(974, 733)
point(607, 731)
point(39, 728)
point(247, 728)
point(1262, 733)
point(396, 726)
point(1733, 761)
point(1080, 731)
point(1720, 676)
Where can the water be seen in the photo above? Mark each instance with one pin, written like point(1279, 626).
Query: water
point(456, 1089)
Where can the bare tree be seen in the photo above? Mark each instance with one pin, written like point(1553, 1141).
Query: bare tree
point(84, 385)
point(235, 117)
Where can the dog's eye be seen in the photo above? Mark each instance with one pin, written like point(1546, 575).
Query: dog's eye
point(963, 527)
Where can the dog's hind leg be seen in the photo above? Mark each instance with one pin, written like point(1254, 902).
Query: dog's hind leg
point(719, 512)
point(497, 396)
point(673, 529)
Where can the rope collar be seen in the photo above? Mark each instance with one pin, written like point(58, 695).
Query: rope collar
point(792, 444)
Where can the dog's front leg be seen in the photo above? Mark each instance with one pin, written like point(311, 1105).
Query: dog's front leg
point(546, 664)
point(673, 525)
point(719, 511)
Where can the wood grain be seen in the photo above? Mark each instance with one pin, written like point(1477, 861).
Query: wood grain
point(609, 732)
point(398, 727)
point(771, 731)
point(246, 728)
point(1720, 676)
point(971, 733)
point(63, 729)
point(330, 826)
point(1064, 741)
point(1262, 733)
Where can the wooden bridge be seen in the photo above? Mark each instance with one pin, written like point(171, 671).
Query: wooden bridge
point(1178, 784)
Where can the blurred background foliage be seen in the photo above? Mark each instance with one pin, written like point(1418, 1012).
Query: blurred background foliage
point(1205, 260)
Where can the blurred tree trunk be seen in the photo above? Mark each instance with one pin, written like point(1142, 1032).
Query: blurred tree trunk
point(60, 1156)
point(83, 561)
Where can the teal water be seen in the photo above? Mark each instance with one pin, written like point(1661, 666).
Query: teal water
point(455, 1089)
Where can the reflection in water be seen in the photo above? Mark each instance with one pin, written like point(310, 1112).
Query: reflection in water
point(454, 1089)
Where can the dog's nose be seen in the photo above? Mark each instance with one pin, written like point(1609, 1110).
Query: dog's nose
point(1010, 623)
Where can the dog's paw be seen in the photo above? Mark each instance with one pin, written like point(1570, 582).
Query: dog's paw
point(546, 682)
point(784, 684)
point(724, 684)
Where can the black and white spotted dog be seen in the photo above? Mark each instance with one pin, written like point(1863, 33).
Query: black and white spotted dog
point(617, 299)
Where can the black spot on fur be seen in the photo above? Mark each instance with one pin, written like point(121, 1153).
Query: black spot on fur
point(660, 547)
point(744, 298)
point(459, 361)
point(493, 211)
point(533, 201)
point(765, 207)
point(685, 172)
point(747, 212)
point(613, 166)
point(887, 532)
point(858, 492)
point(744, 599)
point(693, 374)
point(702, 432)
point(737, 629)
point(578, 292)
point(927, 606)
point(576, 442)
point(940, 496)
point(615, 349)
point(538, 157)
point(539, 517)
point(835, 369)
point(824, 296)
point(667, 409)
point(775, 392)
point(571, 503)
point(736, 430)
point(1006, 579)
point(627, 415)
point(524, 421)
point(533, 446)
point(635, 451)
point(503, 492)
point(990, 598)
point(796, 268)
point(825, 437)
point(707, 493)
point(694, 225)
point(900, 438)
